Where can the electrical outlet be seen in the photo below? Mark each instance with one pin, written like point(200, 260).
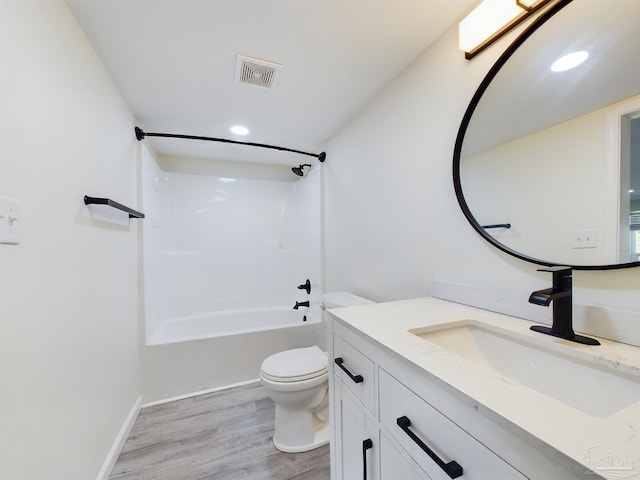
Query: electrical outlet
point(9, 221)
point(584, 239)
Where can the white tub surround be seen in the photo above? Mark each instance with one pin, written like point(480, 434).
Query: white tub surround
point(532, 428)
point(218, 246)
point(225, 246)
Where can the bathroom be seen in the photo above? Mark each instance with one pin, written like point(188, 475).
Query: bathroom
point(72, 354)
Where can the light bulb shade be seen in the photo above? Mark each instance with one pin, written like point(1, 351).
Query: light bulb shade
point(239, 130)
point(569, 61)
point(487, 20)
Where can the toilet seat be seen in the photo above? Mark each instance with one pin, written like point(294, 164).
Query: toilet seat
point(295, 365)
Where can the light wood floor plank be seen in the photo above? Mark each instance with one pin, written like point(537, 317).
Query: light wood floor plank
point(224, 435)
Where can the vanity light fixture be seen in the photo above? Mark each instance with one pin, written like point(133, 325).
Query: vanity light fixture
point(569, 61)
point(528, 4)
point(491, 20)
point(239, 130)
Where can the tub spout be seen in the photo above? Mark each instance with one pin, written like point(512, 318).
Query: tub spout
point(301, 304)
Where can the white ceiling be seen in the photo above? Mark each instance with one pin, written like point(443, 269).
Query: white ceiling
point(175, 61)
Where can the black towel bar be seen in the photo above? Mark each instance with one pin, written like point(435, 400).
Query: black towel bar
point(497, 225)
point(106, 201)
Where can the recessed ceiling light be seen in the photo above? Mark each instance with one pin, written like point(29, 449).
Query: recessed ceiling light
point(569, 61)
point(239, 130)
point(631, 191)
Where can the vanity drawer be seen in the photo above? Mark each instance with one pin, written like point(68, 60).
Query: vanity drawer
point(355, 370)
point(419, 428)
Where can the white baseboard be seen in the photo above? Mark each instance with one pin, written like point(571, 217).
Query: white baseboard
point(112, 457)
point(200, 392)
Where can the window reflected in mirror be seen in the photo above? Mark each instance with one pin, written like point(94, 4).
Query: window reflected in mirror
point(630, 180)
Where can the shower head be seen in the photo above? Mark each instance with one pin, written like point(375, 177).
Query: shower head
point(299, 170)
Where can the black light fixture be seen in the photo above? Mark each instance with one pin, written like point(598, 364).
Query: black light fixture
point(492, 19)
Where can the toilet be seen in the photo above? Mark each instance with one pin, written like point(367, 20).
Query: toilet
point(297, 381)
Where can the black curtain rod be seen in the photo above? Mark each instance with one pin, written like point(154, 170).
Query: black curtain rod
point(140, 135)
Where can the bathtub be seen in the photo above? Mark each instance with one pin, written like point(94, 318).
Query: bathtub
point(231, 322)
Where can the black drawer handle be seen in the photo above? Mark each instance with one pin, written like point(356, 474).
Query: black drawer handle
point(453, 469)
point(366, 445)
point(356, 378)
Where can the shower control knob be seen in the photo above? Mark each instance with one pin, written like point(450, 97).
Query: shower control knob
point(305, 286)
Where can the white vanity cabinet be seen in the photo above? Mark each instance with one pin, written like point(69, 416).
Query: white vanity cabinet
point(361, 449)
point(433, 412)
point(427, 445)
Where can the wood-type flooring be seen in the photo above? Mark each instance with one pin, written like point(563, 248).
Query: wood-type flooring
point(226, 435)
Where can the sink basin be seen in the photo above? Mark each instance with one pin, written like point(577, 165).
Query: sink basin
point(558, 371)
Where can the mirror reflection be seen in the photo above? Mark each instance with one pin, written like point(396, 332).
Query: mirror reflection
point(556, 154)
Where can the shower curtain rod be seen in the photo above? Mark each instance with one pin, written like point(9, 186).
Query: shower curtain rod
point(140, 135)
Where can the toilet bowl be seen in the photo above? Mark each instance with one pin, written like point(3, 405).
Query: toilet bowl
point(297, 381)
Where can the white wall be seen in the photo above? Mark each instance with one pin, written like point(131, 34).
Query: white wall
point(69, 369)
point(392, 220)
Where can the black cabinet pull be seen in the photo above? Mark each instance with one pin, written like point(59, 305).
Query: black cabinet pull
point(453, 469)
point(356, 378)
point(366, 445)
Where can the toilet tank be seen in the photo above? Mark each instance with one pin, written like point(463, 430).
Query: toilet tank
point(343, 299)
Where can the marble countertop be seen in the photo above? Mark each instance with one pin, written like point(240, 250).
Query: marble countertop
point(607, 444)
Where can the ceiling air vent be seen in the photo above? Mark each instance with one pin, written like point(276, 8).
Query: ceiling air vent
point(256, 72)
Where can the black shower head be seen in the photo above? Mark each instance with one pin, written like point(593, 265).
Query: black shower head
point(298, 170)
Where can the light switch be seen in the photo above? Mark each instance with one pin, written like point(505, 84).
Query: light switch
point(9, 221)
point(585, 239)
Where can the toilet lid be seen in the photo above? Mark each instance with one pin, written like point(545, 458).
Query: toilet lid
point(295, 365)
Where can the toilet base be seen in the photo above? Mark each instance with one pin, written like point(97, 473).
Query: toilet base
point(301, 430)
point(320, 438)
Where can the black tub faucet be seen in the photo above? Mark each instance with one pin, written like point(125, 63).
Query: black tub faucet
point(561, 296)
point(301, 304)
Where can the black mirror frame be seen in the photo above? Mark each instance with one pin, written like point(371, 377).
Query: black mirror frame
point(466, 119)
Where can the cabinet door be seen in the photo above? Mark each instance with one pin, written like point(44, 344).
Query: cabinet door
point(395, 464)
point(356, 437)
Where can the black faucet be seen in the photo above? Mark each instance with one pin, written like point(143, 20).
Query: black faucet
point(301, 304)
point(560, 295)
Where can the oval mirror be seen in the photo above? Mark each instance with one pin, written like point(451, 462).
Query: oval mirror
point(547, 163)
